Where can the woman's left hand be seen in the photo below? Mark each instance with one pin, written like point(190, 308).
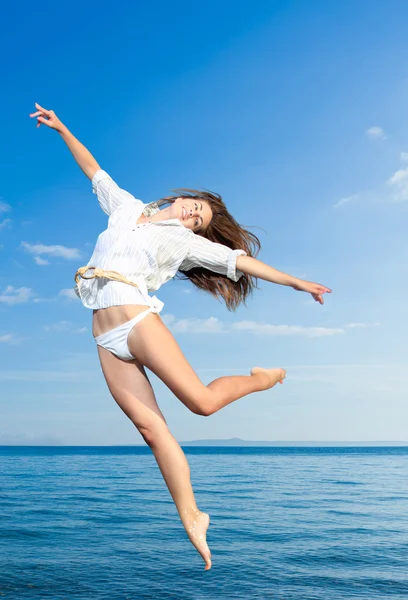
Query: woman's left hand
point(315, 289)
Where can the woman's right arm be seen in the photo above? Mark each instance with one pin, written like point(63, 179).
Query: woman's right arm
point(82, 156)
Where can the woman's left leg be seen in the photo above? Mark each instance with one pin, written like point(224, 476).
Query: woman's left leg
point(130, 387)
point(154, 346)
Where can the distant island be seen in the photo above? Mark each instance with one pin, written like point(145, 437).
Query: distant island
point(240, 442)
point(230, 442)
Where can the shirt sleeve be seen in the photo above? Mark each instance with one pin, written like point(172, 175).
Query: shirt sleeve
point(210, 255)
point(110, 195)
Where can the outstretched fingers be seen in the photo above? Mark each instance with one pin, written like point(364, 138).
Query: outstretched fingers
point(44, 110)
point(318, 292)
point(46, 117)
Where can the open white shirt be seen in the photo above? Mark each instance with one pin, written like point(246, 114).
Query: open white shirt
point(148, 254)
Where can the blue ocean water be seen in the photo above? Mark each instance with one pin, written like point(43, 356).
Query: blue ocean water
point(287, 523)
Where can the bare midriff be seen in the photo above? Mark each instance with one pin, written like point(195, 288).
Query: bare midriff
point(105, 319)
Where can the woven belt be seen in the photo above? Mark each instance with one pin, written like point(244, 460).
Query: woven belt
point(155, 304)
point(113, 275)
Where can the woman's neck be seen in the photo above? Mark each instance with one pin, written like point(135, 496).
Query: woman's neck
point(161, 215)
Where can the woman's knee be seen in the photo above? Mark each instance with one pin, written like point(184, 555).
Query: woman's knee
point(153, 433)
point(203, 405)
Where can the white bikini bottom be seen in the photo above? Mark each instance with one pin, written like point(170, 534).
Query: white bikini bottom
point(116, 340)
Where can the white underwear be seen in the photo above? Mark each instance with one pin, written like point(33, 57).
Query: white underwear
point(116, 340)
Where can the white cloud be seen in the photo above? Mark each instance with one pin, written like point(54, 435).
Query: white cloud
point(5, 224)
point(214, 325)
point(59, 327)
point(3, 209)
point(285, 330)
point(39, 300)
point(361, 325)
point(192, 325)
point(41, 261)
point(376, 133)
point(9, 338)
point(68, 293)
point(54, 251)
point(395, 189)
point(12, 296)
point(346, 200)
point(398, 176)
point(64, 327)
point(398, 183)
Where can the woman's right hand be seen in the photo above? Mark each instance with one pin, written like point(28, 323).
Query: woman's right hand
point(47, 117)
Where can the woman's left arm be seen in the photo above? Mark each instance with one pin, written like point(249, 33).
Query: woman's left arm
point(256, 268)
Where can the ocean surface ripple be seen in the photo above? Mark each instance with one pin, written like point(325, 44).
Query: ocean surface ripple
point(286, 523)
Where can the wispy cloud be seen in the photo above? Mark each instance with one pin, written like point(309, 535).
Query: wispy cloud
point(6, 223)
point(41, 261)
point(38, 250)
point(10, 338)
point(361, 325)
point(192, 325)
point(285, 330)
point(4, 207)
point(40, 300)
point(214, 325)
point(398, 183)
point(346, 200)
point(12, 295)
point(59, 327)
point(64, 327)
point(376, 133)
point(68, 293)
point(394, 189)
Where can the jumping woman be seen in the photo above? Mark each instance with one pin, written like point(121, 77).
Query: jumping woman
point(144, 246)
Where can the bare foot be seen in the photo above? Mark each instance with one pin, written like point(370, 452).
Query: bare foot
point(196, 525)
point(270, 377)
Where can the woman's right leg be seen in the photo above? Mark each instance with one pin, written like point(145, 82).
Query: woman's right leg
point(131, 389)
point(154, 346)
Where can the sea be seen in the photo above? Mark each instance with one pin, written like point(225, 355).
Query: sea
point(304, 523)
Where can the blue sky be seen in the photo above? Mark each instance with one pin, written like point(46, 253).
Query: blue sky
point(296, 113)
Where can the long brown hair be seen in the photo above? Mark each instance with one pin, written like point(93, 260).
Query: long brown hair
point(225, 230)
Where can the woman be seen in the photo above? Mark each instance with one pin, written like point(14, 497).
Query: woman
point(143, 247)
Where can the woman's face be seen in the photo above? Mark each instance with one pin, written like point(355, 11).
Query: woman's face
point(193, 214)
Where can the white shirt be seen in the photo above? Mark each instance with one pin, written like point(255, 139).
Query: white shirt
point(148, 254)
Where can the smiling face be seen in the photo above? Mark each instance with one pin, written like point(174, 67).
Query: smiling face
point(193, 213)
